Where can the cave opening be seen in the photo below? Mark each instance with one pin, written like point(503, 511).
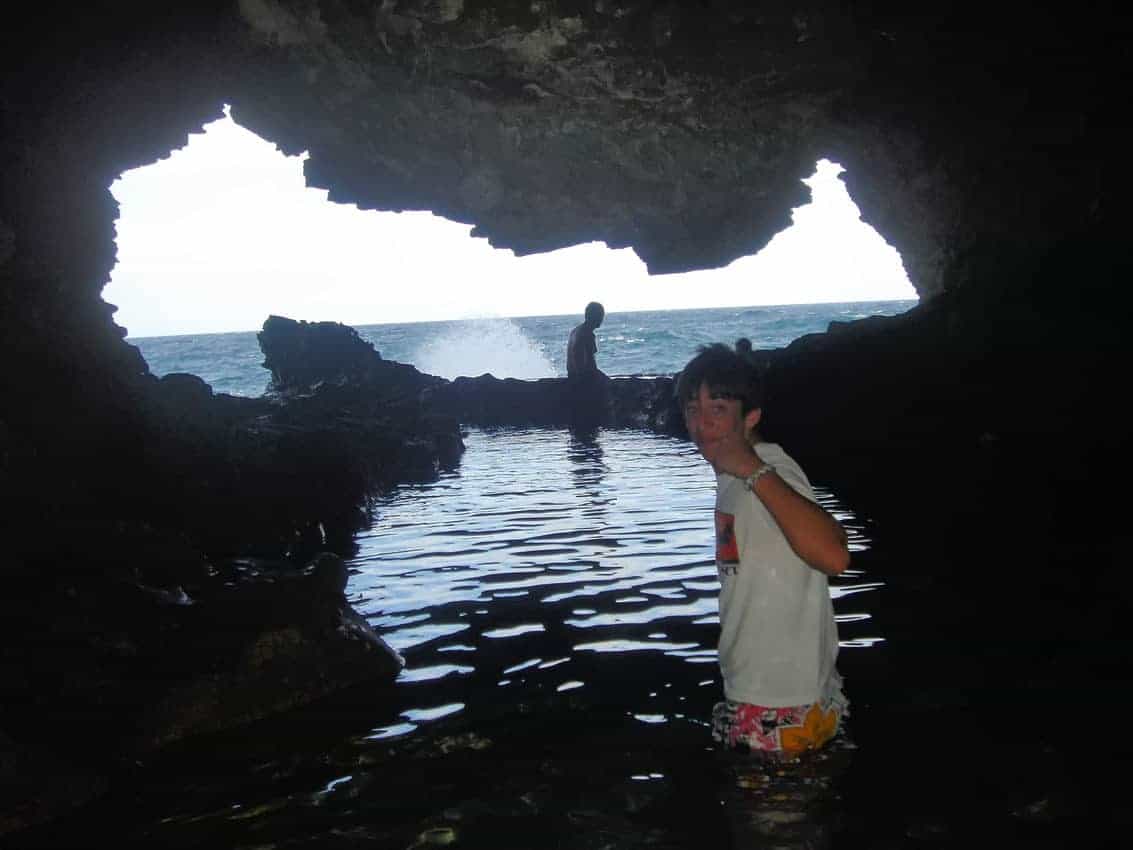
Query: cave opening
point(226, 231)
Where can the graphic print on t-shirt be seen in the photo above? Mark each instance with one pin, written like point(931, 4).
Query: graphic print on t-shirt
point(727, 550)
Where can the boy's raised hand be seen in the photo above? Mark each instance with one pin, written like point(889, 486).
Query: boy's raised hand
point(729, 449)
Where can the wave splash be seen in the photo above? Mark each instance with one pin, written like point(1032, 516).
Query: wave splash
point(474, 347)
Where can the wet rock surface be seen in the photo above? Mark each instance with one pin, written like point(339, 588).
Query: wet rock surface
point(240, 669)
point(107, 669)
point(645, 403)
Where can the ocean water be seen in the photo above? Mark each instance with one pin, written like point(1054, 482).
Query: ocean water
point(638, 343)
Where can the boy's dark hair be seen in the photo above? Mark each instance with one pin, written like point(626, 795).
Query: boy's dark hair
point(725, 373)
point(595, 312)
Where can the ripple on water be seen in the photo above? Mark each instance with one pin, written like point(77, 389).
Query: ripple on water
point(436, 671)
point(513, 631)
point(422, 715)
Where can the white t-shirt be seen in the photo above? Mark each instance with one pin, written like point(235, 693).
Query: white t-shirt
point(778, 639)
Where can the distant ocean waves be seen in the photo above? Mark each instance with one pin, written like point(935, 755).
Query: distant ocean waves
point(643, 343)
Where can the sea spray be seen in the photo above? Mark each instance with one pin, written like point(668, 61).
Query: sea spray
point(484, 346)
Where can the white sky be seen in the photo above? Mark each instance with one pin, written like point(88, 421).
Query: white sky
point(224, 232)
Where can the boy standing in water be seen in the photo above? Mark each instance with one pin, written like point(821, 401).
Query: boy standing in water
point(775, 546)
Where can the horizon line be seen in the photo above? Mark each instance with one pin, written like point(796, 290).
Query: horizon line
point(609, 313)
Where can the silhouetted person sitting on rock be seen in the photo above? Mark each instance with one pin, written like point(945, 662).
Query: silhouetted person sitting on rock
point(586, 383)
point(581, 347)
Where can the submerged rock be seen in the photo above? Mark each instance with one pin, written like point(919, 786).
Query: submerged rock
point(122, 666)
point(111, 667)
point(276, 669)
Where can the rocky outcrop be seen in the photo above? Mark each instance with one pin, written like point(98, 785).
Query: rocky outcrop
point(192, 581)
point(118, 656)
point(302, 356)
point(285, 476)
point(108, 669)
point(327, 380)
point(328, 366)
point(304, 642)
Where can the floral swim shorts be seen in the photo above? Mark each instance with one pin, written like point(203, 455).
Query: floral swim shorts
point(789, 731)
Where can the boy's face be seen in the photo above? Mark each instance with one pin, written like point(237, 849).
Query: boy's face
point(717, 425)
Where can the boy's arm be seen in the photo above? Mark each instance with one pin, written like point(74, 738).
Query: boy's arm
point(813, 534)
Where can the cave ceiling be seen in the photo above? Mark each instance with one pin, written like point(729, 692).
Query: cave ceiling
point(681, 130)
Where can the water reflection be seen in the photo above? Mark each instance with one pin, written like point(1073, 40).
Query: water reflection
point(584, 449)
point(795, 805)
point(621, 520)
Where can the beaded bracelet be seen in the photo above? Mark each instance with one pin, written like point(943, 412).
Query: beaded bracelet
point(749, 482)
